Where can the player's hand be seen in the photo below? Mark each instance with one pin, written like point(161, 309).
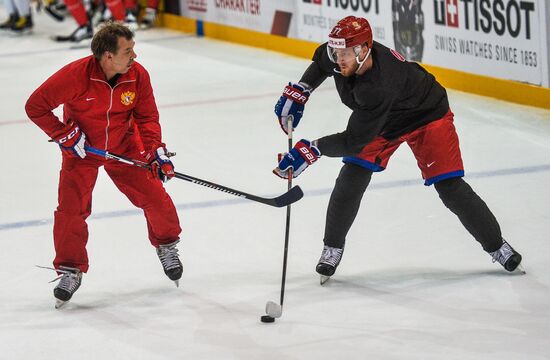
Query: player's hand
point(71, 140)
point(161, 166)
point(291, 103)
point(298, 159)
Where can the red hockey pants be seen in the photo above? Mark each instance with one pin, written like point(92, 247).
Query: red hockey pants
point(76, 183)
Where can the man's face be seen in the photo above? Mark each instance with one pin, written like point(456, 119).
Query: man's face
point(346, 58)
point(124, 57)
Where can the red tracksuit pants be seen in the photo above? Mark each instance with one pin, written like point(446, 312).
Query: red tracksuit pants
point(76, 183)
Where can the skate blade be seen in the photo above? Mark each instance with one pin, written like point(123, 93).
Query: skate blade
point(80, 44)
point(520, 270)
point(56, 39)
point(323, 279)
point(59, 303)
point(16, 34)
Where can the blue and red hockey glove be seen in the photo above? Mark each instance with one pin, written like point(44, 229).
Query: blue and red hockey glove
point(161, 166)
point(291, 103)
point(71, 140)
point(298, 159)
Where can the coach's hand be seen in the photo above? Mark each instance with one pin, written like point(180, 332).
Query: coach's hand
point(71, 140)
point(161, 166)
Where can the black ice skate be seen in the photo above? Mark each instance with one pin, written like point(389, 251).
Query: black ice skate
point(509, 258)
point(330, 258)
point(8, 24)
point(23, 25)
point(81, 33)
point(69, 283)
point(169, 258)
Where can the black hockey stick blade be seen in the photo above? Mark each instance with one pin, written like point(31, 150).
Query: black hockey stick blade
point(289, 197)
point(283, 200)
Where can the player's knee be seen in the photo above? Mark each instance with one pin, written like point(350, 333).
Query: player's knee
point(451, 190)
point(446, 187)
point(353, 178)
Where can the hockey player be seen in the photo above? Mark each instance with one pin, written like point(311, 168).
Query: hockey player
point(108, 103)
point(85, 27)
point(393, 101)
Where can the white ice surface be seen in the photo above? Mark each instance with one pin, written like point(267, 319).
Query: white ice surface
point(413, 284)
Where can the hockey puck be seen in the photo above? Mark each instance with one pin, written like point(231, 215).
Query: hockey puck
point(267, 319)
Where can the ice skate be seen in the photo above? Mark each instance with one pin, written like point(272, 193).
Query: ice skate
point(169, 258)
point(69, 282)
point(131, 21)
point(330, 258)
point(148, 20)
point(10, 22)
point(509, 258)
point(102, 15)
point(23, 25)
point(81, 33)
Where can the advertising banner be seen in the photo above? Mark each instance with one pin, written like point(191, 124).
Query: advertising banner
point(267, 16)
point(499, 38)
point(317, 17)
point(506, 39)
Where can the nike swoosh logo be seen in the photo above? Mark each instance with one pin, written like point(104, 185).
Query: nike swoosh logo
point(430, 164)
point(90, 99)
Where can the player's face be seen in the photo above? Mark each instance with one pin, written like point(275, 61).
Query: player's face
point(124, 58)
point(345, 58)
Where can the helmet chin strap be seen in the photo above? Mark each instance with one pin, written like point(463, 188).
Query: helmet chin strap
point(361, 62)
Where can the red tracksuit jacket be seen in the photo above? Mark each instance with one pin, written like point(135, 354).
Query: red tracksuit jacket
point(105, 114)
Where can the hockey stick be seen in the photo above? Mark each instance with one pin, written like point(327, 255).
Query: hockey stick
point(52, 11)
point(273, 309)
point(292, 195)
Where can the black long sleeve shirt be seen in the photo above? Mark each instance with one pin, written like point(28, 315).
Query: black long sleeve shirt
point(391, 99)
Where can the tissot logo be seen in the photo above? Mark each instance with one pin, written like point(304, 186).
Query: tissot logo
point(489, 16)
point(354, 5)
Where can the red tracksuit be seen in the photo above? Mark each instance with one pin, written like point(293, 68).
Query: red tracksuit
point(122, 119)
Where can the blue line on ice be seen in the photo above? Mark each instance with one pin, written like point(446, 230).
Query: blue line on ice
point(319, 192)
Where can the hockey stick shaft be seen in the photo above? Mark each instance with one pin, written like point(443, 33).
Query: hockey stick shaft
point(287, 226)
point(292, 195)
point(272, 308)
